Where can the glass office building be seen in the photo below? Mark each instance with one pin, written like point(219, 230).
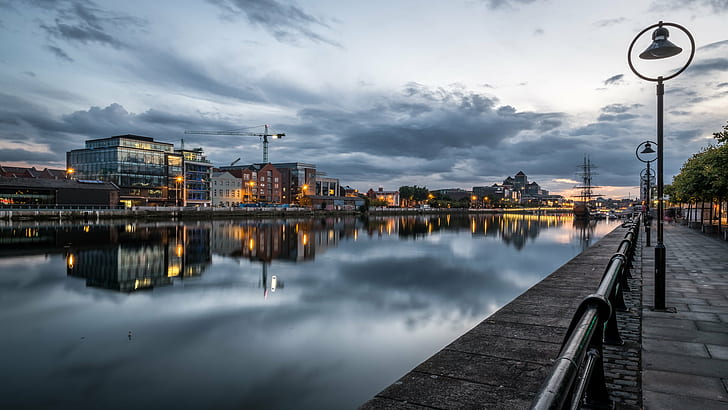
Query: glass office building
point(198, 177)
point(146, 171)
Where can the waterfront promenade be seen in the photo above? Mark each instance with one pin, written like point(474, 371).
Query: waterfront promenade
point(685, 353)
point(670, 360)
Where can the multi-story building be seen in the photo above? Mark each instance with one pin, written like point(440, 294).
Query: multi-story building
point(513, 189)
point(326, 186)
point(295, 179)
point(493, 193)
point(454, 194)
point(143, 169)
point(298, 180)
point(227, 189)
point(520, 181)
point(269, 188)
point(147, 172)
point(197, 177)
point(390, 197)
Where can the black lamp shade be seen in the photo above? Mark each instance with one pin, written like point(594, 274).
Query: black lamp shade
point(661, 47)
point(648, 149)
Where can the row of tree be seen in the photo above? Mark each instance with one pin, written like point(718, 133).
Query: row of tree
point(704, 177)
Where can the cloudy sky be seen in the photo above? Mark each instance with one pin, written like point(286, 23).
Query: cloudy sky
point(442, 94)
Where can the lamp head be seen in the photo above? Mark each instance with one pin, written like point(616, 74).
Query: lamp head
point(661, 47)
point(648, 149)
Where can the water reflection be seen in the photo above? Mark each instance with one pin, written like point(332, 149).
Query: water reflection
point(306, 313)
point(131, 257)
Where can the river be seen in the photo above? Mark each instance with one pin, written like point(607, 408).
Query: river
point(254, 314)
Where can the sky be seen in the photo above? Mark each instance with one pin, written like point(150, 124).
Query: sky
point(441, 94)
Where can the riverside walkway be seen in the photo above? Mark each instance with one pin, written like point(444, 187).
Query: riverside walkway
point(685, 354)
point(668, 361)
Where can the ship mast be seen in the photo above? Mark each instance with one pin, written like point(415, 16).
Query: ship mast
point(586, 187)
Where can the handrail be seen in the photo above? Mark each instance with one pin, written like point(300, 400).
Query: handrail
point(578, 372)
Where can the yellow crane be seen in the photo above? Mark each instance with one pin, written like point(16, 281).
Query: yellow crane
point(264, 136)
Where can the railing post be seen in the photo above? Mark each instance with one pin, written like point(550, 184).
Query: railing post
point(597, 394)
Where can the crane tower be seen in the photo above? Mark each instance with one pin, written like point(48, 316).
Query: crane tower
point(264, 136)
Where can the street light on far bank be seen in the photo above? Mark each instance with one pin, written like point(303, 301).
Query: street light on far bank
point(660, 48)
point(69, 173)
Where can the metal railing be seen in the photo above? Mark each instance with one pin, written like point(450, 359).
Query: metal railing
point(577, 376)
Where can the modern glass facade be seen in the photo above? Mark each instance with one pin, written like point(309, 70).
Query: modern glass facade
point(145, 170)
point(198, 177)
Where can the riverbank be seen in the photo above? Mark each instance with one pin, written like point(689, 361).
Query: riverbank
point(193, 213)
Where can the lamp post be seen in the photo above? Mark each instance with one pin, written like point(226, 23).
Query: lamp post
point(177, 180)
point(660, 48)
point(647, 156)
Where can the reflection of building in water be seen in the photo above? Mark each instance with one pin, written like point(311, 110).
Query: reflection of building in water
point(286, 240)
point(263, 242)
point(142, 257)
point(514, 229)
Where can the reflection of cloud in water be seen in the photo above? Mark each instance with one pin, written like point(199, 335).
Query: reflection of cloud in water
point(419, 286)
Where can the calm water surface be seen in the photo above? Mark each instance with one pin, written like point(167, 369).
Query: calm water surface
point(278, 314)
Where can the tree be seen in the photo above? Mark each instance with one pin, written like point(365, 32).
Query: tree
point(704, 177)
point(413, 194)
point(722, 136)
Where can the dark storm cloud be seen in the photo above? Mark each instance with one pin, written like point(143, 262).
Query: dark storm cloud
point(426, 123)
point(25, 122)
point(702, 67)
point(619, 112)
point(59, 53)
point(82, 21)
point(614, 80)
point(287, 23)
point(168, 69)
point(7, 155)
point(184, 75)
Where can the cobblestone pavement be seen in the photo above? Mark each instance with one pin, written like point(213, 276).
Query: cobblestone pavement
point(622, 363)
point(685, 352)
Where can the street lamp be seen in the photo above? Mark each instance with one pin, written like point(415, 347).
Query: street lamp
point(660, 48)
point(178, 180)
point(647, 156)
point(69, 173)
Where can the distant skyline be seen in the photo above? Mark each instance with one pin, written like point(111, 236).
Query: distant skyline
point(411, 92)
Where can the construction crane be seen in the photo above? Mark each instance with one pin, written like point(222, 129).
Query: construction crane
point(264, 136)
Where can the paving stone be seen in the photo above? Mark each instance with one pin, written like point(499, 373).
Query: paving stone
point(718, 352)
point(685, 364)
point(666, 401)
point(685, 384)
point(676, 347)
